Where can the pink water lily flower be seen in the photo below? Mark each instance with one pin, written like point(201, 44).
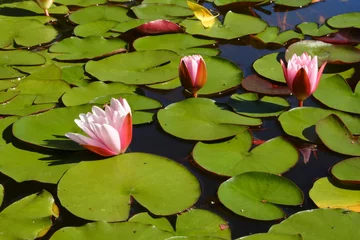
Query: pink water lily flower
point(192, 73)
point(109, 131)
point(302, 75)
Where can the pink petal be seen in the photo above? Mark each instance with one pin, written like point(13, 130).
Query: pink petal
point(109, 137)
point(101, 151)
point(319, 76)
point(82, 140)
point(126, 133)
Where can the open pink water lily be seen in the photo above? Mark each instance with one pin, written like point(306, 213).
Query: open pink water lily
point(110, 131)
point(302, 75)
point(192, 73)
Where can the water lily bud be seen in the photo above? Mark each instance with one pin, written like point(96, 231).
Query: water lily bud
point(45, 4)
point(302, 75)
point(109, 131)
point(192, 73)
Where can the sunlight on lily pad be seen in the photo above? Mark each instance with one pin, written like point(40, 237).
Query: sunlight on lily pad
point(347, 171)
point(346, 20)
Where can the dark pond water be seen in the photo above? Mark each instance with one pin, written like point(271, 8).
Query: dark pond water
point(150, 138)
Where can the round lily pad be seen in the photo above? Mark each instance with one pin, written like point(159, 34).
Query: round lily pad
point(329, 224)
point(144, 218)
point(25, 32)
point(312, 29)
point(255, 83)
point(273, 35)
point(101, 190)
point(174, 42)
point(326, 195)
point(253, 195)
point(300, 122)
point(82, 95)
point(235, 25)
point(234, 156)
point(7, 96)
point(74, 48)
point(336, 93)
point(326, 52)
point(111, 231)
point(172, 84)
point(347, 171)
point(48, 129)
point(144, 67)
point(346, 20)
point(269, 66)
point(249, 104)
point(101, 12)
point(99, 28)
point(202, 119)
point(80, 3)
point(271, 236)
point(334, 133)
point(28, 218)
point(291, 3)
point(21, 105)
point(154, 11)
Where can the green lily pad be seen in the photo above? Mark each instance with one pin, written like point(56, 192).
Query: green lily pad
point(255, 83)
point(336, 93)
point(202, 119)
point(234, 156)
point(128, 25)
point(13, 58)
point(346, 20)
point(144, 218)
point(31, 7)
point(74, 75)
point(269, 66)
point(144, 67)
point(231, 76)
point(87, 48)
point(271, 236)
point(326, 52)
point(44, 72)
point(1, 194)
point(7, 96)
point(111, 231)
point(329, 224)
point(90, 194)
point(101, 12)
point(253, 195)
point(99, 28)
point(21, 105)
point(174, 42)
point(273, 35)
point(249, 104)
point(226, 2)
point(347, 171)
point(312, 29)
point(6, 84)
point(234, 26)
point(4, 124)
point(334, 133)
point(193, 238)
point(156, 11)
point(25, 32)
point(82, 95)
point(326, 195)
point(22, 165)
point(46, 91)
point(291, 3)
point(28, 218)
point(172, 84)
point(43, 130)
point(80, 3)
point(300, 122)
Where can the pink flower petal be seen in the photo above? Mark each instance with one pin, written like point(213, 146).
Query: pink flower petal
point(126, 133)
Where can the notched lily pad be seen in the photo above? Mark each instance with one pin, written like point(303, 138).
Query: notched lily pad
point(346, 20)
point(99, 28)
point(269, 66)
point(202, 119)
point(154, 11)
point(347, 171)
point(312, 29)
point(235, 157)
point(80, 3)
point(291, 3)
point(273, 35)
point(271, 236)
point(21, 105)
point(253, 194)
point(101, 12)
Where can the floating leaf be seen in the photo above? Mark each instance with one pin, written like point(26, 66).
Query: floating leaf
point(235, 26)
point(269, 66)
point(202, 119)
point(326, 52)
point(87, 48)
point(329, 224)
point(335, 135)
point(300, 122)
point(203, 14)
point(4, 124)
point(326, 195)
point(111, 231)
point(272, 35)
point(346, 20)
point(343, 36)
point(271, 236)
point(249, 104)
point(291, 3)
point(172, 84)
point(253, 194)
point(347, 171)
point(335, 92)
point(157, 183)
point(7, 96)
point(144, 218)
point(254, 83)
point(245, 2)
point(24, 32)
point(312, 29)
point(99, 28)
point(1, 194)
point(82, 95)
point(234, 156)
point(144, 67)
point(101, 12)
point(80, 3)
point(154, 11)
point(21, 105)
point(28, 218)
point(29, 8)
